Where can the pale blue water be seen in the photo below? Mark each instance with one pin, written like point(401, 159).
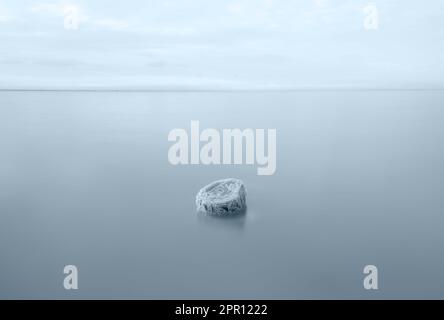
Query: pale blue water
point(85, 180)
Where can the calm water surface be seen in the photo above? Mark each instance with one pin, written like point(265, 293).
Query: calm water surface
point(85, 180)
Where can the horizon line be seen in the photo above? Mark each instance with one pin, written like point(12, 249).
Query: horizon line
point(221, 89)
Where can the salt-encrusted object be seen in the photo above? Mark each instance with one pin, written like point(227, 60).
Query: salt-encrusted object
point(222, 198)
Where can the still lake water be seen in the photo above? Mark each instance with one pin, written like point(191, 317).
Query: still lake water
point(85, 180)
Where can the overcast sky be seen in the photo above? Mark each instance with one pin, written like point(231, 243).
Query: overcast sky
point(233, 43)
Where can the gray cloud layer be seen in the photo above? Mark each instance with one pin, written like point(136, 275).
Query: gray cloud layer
point(236, 44)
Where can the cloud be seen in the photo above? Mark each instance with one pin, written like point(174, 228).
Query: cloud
point(6, 15)
point(55, 9)
point(112, 24)
point(249, 41)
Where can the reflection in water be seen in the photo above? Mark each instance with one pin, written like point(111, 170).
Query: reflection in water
point(235, 222)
